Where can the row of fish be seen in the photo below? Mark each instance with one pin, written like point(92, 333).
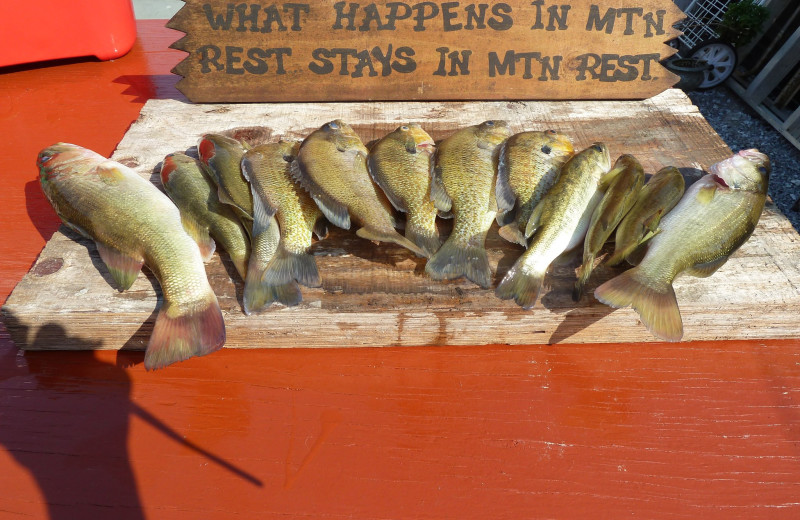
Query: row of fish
point(263, 204)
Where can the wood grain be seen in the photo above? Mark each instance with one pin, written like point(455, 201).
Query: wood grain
point(328, 50)
point(378, 295)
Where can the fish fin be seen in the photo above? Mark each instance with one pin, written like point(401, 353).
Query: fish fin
point(123, 268)
point(321, 228)
point(335, 212)
point(79, 230)
point(179, 334)
point(657, 306)
point(447, 215)
point(523, 287)
point(200, 235)
point(263, 214)
point(109, 172)
point(651, 222)
point(398, 203)
point(605, 181)
point(505, 217)
point(584, 271)
point(455, 259)
point(393, 236)
point(506, 198)
point(259, 296)
point(441, 200)
point(286, 266)
point(706, 194)
point(533, 221)
point(512, 233)
point(707, 269)
point(427, 241)
point(636, 256)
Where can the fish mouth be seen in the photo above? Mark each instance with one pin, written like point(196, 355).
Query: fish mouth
point(426, 147)
point(719, 180)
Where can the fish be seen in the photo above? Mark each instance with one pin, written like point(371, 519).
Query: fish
point(332, 167)
point(529, 166)
point(557, 224)
point(204, 217)
point(660, 194)
point(620, 187)
point(276, 197)
point(464, 180)
point(222, 157)
point(400, 163)
point(133, 224)
point(716, 215)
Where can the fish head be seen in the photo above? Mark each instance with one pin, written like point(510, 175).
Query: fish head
point(212, 145)
point(747, 170)
point(493, 132)
point(549, 146)
point(171, 163)
point(341, 134)
point(66, 158)
point(288, 149)
point(414, 139)
point(598, 153)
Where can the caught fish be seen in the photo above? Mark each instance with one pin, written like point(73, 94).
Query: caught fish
point(464, 179)
point(529, 166)
point(620, 188)
point(275, 194)
point(657, 198)
point(133, 223)
point(204, 217)
point(222, 157)
point(558, 223)
point(400, 164)
point(332, 166)
point(717, 214)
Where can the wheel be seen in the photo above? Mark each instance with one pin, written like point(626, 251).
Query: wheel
point(721, 57)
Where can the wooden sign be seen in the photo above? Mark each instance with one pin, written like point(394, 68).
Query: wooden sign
point(330, 50)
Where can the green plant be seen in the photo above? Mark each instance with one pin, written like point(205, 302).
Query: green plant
point(742, 22)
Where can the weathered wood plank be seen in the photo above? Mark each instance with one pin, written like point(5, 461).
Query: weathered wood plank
point(378, 295)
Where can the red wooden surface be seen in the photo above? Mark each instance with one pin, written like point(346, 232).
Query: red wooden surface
point(688, 430)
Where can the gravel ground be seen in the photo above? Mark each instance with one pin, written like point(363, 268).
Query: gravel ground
point(741, 127)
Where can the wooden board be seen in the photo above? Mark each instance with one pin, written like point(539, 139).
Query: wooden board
point(332, 50)
point(378, 295)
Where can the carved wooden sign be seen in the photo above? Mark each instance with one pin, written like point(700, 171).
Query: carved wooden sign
point(329, 50)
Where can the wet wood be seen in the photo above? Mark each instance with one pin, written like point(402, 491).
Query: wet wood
point(378, 295)
point(329, 50)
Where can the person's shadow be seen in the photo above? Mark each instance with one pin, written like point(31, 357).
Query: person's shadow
point(65, 418)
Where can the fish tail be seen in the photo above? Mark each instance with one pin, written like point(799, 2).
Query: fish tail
point(523, 286)
point(455, 259)
point(391, 236)
point(181, 333)
point(656, 304)
point(584, 271)
point(286, 266)
point(259, 295)
point(426, 239)
point(513, 234)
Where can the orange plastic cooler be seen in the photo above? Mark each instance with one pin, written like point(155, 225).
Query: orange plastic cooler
point(37, 30)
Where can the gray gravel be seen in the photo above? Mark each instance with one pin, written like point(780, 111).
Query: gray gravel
point(741, 127)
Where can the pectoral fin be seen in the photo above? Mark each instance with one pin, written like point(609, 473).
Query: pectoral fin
point(441, 200)
point(707, 269)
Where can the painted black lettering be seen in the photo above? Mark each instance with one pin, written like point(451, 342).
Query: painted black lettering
point(478, 18)
point(441, 71)
point(404, 63)
point(594, 21)
point(507, 66)
point(421, 14)
point(371, 14)
point(537, 24)
point(343, 54)
point(625, 69)
point(628, 12)
point(448, 15)
point(608, 67)
point(256, 62)
point(232, 58)
point(646, 60)
point(279, 53)
point(248, 16)
point(364, 62)
point(393, 16)
point(657, 24)
point(209, 55)
point(218, 21)
point(325, 66)
point(501, 21)
point(556, 18)
point(350, 15)
point(587, 63)
point(296, 9)
point(273, 17)
point(527, 58)
point(384, 59)
point(551, 69)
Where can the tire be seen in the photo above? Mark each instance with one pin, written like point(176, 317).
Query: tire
point(721, 56)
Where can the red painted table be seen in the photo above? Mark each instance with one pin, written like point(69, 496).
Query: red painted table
point(688, 430)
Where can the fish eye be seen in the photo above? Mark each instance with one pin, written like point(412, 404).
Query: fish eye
point(45, 158)
point(598, 147)
point(489, 123)
point(333, 125)
point(546, 149)
point(762, 170)
point(404, 128)
point(550, 132)
point(288, 158)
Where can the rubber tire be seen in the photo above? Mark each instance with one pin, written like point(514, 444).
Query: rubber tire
point(719, 54)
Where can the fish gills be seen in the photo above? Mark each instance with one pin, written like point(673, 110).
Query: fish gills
point(204, 217)
point(464, 179)
point(661, 193)
point(133, 223)
point(222, 157)
point(529, 166)
point(621, 188)
point(332, 166)
point(557, 224)
point(400, 163)
point(716, 215)
point(275, 194)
